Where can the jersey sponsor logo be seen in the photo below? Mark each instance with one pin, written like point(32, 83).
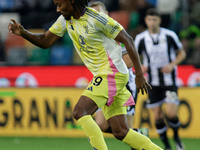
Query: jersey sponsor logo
point(83, 46)
point(86, 50)
point(81, 40)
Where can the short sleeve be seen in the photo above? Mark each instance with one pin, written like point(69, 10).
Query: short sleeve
point(59, 27)
point(176, 42)
point(108, 26)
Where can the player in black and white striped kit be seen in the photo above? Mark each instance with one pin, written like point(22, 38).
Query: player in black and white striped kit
point(161, 51)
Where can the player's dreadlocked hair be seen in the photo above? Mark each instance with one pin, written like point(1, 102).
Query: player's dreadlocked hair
point(81, 4)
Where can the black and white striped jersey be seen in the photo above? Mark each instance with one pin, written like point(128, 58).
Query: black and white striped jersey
point(158, 50)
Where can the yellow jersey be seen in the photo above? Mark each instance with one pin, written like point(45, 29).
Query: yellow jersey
point(93, 37)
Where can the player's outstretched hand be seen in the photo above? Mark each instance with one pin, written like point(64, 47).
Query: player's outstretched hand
point(15, 28)
point(142, 84)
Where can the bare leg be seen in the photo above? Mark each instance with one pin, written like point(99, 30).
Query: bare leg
point(85, 106)
point(119, 126)
point(171, 110)
point(130, 120)
point(101, 121)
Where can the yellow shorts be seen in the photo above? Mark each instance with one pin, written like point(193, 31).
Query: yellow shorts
point(110, 94)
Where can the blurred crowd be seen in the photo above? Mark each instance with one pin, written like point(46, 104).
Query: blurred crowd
point(182, 16)
point(33, 13)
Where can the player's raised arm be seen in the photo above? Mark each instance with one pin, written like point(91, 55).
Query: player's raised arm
point(127, 40)
point(43, 40)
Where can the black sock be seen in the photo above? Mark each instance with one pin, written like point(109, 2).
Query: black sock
point(135, 129)
point(176, 137)
point(161, 129)
point(163, 137)
point(175, 133)
point(174, 124)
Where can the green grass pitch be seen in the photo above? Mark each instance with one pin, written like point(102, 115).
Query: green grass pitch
point(45, 143)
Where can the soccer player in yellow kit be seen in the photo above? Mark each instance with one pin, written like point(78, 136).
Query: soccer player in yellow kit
point(94, 36)
point(131, 86)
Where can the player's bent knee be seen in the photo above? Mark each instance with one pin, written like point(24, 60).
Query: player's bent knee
point(158, 117)
point(77, 114)
point(120, 135)
point(170, 114)
point(102, 126)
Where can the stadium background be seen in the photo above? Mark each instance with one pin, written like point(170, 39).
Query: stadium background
point(39, 88)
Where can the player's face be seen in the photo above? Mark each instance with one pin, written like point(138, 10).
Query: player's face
point(152, 22)
point(65, 8)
